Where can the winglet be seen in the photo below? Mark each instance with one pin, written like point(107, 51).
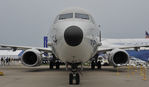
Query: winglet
point(45, 41)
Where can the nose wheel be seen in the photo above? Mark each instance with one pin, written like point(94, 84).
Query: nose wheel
point(74, 77)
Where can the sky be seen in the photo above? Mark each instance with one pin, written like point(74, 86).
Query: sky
point(25, 22)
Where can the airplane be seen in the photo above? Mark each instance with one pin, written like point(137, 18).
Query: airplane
point(142, 54)
point(75, 39)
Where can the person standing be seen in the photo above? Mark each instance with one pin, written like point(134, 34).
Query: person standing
point(2, 61)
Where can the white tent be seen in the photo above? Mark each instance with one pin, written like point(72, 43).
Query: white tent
point(9, 53)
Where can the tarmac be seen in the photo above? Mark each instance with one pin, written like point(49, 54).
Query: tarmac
point(21, 76)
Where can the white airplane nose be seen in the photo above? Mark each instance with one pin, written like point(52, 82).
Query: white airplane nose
point(73, 35)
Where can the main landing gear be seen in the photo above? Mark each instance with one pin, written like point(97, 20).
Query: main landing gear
point(74, 76)
point(54, 63)
point(95, 63)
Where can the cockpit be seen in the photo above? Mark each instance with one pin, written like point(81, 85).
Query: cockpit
point(82, 16)
point(65, 16)
point(74, 15)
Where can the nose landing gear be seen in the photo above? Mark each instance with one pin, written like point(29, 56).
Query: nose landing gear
point(74, 76)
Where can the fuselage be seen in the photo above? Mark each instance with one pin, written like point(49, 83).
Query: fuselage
point(74, 38)
point(124, 42)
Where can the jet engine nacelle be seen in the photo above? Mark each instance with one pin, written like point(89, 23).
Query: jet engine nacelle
point(118, 57)
point(31, 58)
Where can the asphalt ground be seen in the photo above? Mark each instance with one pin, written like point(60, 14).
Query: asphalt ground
point(21, 76)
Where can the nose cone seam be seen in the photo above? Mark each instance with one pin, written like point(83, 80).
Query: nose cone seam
point(73, 35)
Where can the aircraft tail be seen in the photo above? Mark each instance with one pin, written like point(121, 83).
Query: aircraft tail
point(146, 34)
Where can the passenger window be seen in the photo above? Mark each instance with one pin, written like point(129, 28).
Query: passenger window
point(82, 16)
point(65, 16)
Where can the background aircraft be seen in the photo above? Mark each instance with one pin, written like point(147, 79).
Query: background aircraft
point(142, 53)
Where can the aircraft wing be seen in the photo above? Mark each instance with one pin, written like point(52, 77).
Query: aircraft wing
point(14, 48)
point(104, 49)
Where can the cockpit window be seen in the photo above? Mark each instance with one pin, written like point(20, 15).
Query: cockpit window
point(82, 16)
point(65, 16)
